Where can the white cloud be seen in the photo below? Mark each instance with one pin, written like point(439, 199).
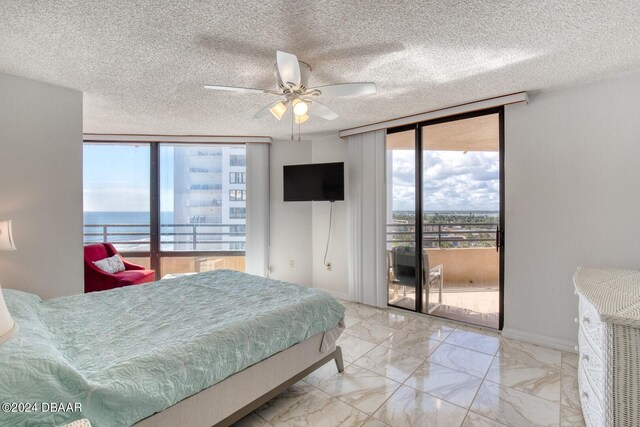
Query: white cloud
point(452, 180)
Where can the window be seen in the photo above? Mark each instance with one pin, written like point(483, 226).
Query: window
point(117, 195)
point(191, 197)
point(237, 195)
point(237, 229)
point(237, 160)
point(237, 177)
point(189, 229)
point(237, 213)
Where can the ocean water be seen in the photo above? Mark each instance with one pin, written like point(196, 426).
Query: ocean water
point(130, 219)
point(124, 217)
point(130, 231)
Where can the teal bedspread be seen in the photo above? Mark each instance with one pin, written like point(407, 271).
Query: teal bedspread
point(128, 353)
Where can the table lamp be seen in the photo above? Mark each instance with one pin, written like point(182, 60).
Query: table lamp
point(8, 327)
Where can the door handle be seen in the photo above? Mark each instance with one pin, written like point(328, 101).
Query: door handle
point(498, 238)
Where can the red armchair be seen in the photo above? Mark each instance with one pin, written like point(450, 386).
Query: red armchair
point(96, 279)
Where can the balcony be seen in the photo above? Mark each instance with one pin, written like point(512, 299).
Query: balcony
point(205, 170)
point(204, 187)
point(192, 264)
point(471, 276)
point(184, 248)
point(212, 203)
point(203, 153)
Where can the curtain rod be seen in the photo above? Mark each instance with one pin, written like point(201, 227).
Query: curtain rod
point(102, 137)
point(514, 98)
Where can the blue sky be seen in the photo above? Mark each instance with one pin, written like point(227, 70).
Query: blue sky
point(116, 177)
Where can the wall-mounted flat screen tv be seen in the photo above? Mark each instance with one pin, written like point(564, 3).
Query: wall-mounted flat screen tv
point(314, 182)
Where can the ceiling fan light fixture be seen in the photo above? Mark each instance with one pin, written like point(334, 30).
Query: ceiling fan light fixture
point(278, 110)
point(301, 119)
point(300, 107)
point(292, 78)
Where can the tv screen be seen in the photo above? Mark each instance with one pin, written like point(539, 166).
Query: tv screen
point(314, 182)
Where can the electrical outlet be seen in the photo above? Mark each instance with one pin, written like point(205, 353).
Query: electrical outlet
point(329, 266)
point(291, 264)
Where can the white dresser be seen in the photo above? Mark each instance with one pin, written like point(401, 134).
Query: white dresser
point(609, 346)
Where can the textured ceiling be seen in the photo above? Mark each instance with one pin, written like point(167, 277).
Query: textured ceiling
point(141, 64)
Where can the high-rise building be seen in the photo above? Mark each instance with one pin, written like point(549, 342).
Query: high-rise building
point(210, 197)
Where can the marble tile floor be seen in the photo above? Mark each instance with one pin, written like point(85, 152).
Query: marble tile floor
point(474, 306)
point(412, 370)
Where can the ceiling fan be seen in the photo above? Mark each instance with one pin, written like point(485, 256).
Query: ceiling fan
point(292, 78)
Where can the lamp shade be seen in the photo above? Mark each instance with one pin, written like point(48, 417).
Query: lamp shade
point(8, 327)
point(6, 239)
point(301, 119)
point(278, 110)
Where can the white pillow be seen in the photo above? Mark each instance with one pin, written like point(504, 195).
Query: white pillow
point(111, 265)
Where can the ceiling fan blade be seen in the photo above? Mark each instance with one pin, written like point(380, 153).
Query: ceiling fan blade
point(288, 68)
point(323, 111)
point(267, 110)
point(240, 89)
point(346, 89)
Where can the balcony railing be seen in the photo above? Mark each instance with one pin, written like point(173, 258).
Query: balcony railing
point(205, 187)
point(207, 154)
point(205, 170)
point(205, 203)
point(194, 237)
point(446, 235)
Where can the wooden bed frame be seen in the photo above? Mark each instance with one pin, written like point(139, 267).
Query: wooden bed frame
point(240, 394)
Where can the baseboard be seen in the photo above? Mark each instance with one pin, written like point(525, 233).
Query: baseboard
point(339, 295)
point(532, 338)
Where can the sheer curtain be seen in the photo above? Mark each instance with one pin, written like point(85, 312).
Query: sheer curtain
point(257, 221)
point(367, 218)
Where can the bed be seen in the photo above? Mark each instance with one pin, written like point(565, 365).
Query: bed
point(196, 350)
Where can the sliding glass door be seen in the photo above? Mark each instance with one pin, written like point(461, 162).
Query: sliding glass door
point(457, 218)
point(402, 272)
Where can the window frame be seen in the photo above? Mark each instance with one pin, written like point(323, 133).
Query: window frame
point(241, 160)
point(155, 253)
point(418, 185)
point(232, 208)
point(237, 195)
point(235, 180)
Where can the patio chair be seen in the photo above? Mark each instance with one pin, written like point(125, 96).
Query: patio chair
point(403, 260)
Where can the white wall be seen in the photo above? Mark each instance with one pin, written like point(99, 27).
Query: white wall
point(291, 222)
point(572, 199)
point(325, 150)
point(299, 229)
point(41, 186)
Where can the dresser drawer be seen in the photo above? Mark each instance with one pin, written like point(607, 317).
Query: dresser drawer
point(592, 407)
point(609, 366)
point(591, 326)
